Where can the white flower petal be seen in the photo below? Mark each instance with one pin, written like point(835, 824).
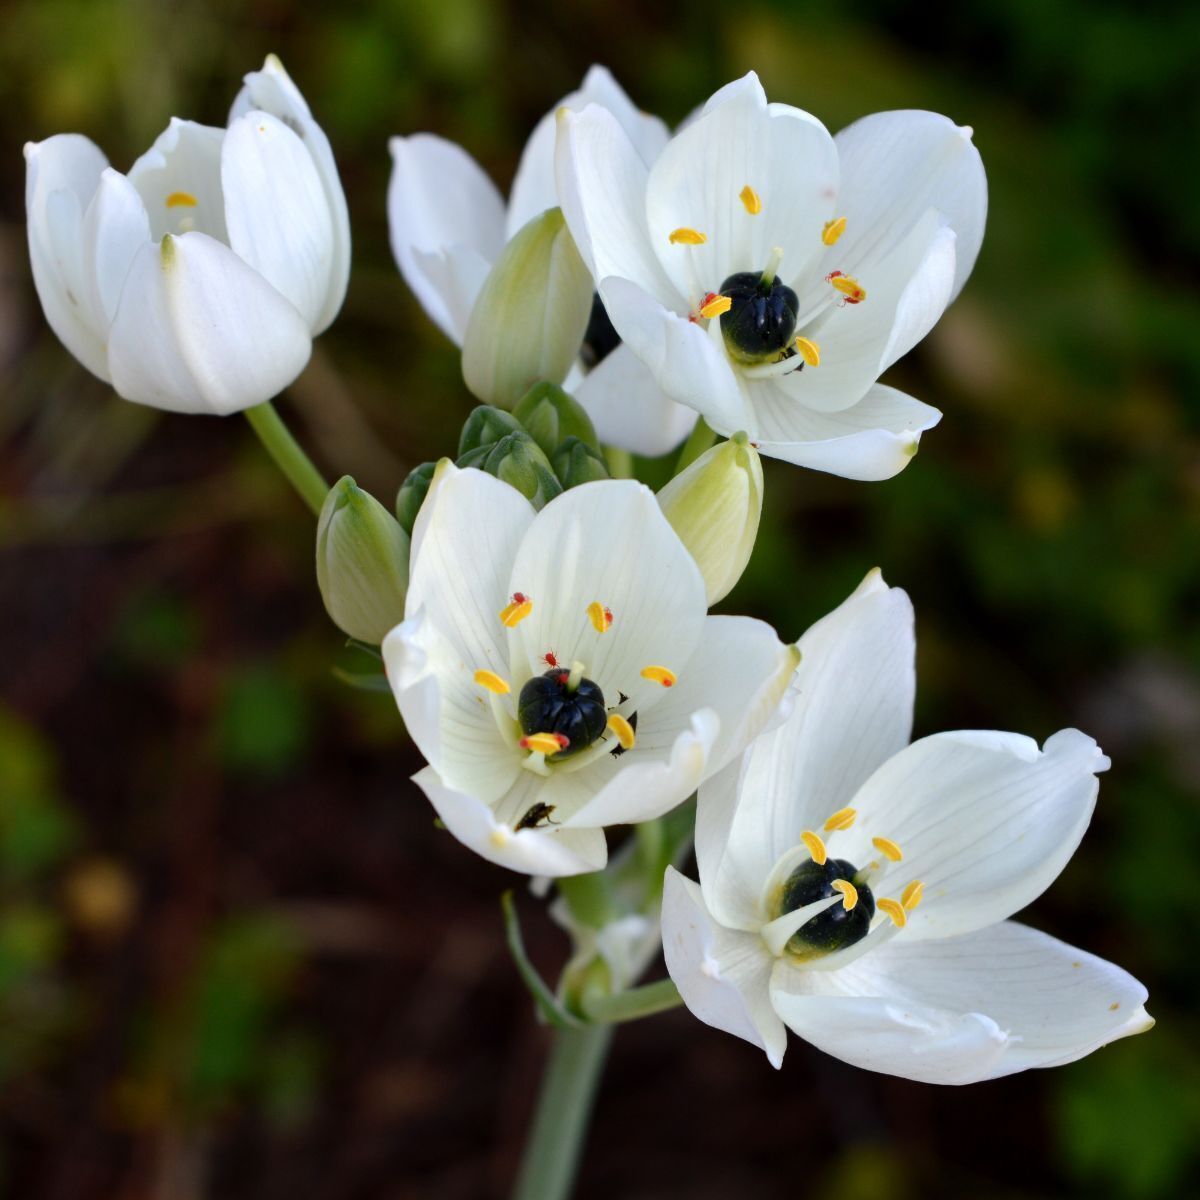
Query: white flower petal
point(985, 820)
point(547, 850)
point(853, 693)
point(115, 228)
point(199, 331)
point(179, 180)
point(443, 209)
point(895, 166)
point(723, 975)
point(873, 439)
point(630, 409)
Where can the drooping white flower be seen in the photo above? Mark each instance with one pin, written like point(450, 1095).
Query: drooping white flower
point(559, 672)
point(768, 273)
point(449, 224)
point(855, 888)
point(196, 282)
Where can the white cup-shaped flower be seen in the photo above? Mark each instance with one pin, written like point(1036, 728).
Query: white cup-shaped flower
point(196, 282)
point(559, 672)
point(855, 888)
point(767, 273)
point(449, 224)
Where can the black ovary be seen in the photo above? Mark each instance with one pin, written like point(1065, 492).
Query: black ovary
point(835, 928)
point(762, 318)
point(546, 706)
point(600, 339)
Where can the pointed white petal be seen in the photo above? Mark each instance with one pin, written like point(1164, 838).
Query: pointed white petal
point(895, 165)
point(443, 209)
point(985, 820)
point(179, 180)
point(198, 331)
point(722, 974)
point(115, 228)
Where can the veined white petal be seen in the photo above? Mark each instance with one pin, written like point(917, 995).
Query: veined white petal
point(115, 228)
point(985, 820)
point(198, 331)
point(547, 850)
point(853, 700)
point(722, 974)
point(895, 166)
point(446, 220)
point(179, 180)
point(276, 211)
point(873, 439)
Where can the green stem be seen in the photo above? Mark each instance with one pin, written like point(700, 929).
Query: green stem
point(288, 455)
point(700, 440)
point(588, 898)
point(556, 1139)
point(644, 1001)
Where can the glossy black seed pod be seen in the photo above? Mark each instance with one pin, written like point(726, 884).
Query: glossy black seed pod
point(546, 706)
point(600, 338)
point(835, 928)
point(761, 321)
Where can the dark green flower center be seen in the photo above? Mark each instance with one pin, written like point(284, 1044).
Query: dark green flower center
point(548, 705)
point(837, 926)
point(761, 319)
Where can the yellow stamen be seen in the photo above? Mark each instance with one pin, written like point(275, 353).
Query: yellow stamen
point(623, 731)
point(687, 237)
point(749, 197)
point(715, 307)
point(894, 909)
point(833, 230)
point(600, 617)
point(850, 288)
point(182, 200)
point(842, 819)
point(663, 675)
point(809, 351)
point(511, 615)
point(849, 892)
point(543, 743)
point(493, 682)
point(816, 847)
point(888, 848)
point(911, 896)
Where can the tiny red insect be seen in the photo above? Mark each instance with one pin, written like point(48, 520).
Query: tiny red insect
point(549, 659)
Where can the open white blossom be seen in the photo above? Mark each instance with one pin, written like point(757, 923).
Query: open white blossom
point(768, 273)
point(855, 888)
point(449, 224)
point(196, 282)
point(559, 672)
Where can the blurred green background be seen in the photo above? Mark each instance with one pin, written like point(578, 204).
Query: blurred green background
point(237, 959)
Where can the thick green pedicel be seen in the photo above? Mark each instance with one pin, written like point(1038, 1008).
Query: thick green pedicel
point(836, 927)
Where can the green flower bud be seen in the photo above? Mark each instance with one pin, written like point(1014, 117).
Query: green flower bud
point(412, 495)
point(362, 563)
point(529, 319)
point(714, 506)
point(576, 462)
point(485, 426)
point(518, 461)
point(550, 416)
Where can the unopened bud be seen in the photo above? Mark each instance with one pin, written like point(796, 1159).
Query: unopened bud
point(530, 316)
point(485, 426)
point(714, 506)
point(412, 495)
point(518, 461)
point(550, 416)
point(362, 563)
point(576, 462)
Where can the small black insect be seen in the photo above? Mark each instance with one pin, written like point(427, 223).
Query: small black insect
point(535, 816)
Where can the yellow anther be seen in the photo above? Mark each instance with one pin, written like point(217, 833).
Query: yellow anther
point(600, 616)
point(749, 197)
point(809, 351)
point(663, 675)
point(544, 743)
point(849, 892)
point(182, 200)
point(888, 848)
point(854, 292)
point(716, 306)
point(816, 847)
point(683, 236)
point(622, 730)
point(493, 682)
point(911, 896)
point(833, 230)
point(894, 909)
point(513, 613)
point(842, 819)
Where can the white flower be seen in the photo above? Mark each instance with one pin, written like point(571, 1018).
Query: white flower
point(196, 282)
point(595, 605)
point(449, 224)
point(968, 826)
point(874, 232)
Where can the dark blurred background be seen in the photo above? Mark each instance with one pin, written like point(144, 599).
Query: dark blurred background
point(237, 959)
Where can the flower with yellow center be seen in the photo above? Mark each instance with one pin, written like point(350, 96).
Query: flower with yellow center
point(559, 672)
point(855, 888)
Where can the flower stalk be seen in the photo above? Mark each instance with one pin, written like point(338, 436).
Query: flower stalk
point(288, 455)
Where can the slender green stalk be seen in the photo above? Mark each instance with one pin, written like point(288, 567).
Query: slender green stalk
point(288, 455)
point(560, 1124)
point(644, 1001)
point(700, 440)
point(588, 898)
